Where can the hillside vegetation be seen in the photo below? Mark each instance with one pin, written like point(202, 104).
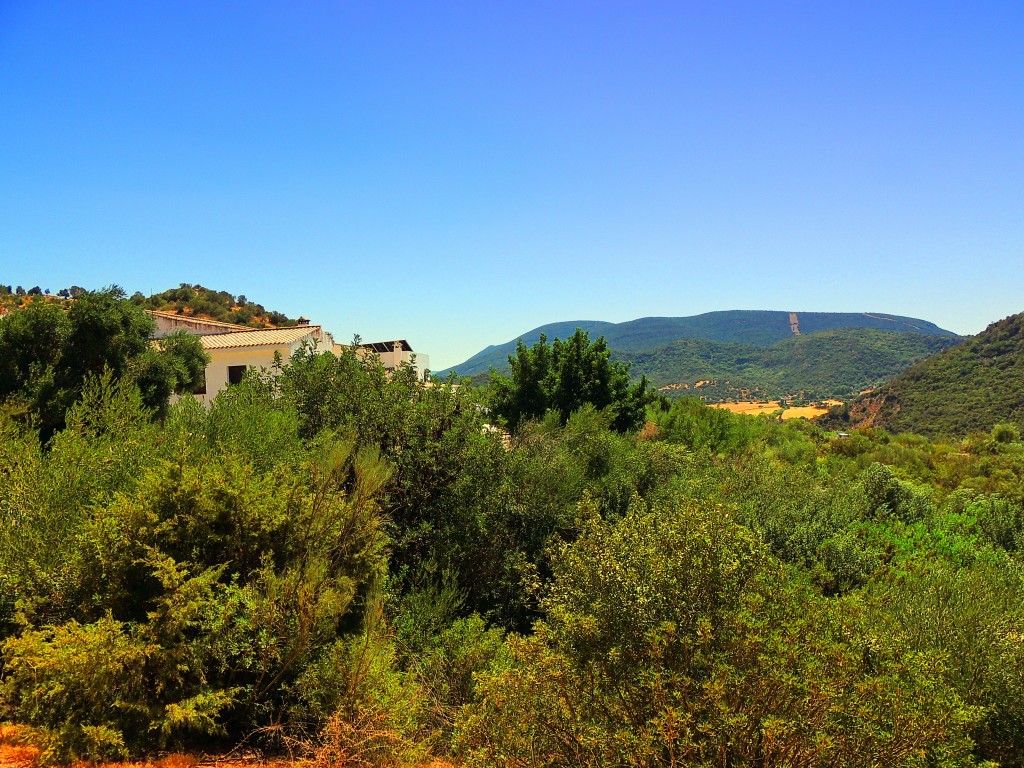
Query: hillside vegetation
point(197, 301)
point(751, 327)
point(970, 387)
point(829, 364)
point(186, 299)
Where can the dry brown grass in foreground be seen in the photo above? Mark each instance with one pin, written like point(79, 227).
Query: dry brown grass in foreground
point(16, 753)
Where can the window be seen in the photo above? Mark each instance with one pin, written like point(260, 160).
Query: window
point(236, 373)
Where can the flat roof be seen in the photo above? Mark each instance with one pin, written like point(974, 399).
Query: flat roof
point(386, 346)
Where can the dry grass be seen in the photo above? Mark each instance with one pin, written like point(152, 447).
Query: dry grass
point(15, 753)
point(804, 412)
point(755, 408)
point(649, 432)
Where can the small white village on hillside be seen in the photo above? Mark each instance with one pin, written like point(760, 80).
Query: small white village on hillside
point(234, 349)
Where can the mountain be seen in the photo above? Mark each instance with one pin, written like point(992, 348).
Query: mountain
point(967, 388)
point(760, 328)
point(827, 364)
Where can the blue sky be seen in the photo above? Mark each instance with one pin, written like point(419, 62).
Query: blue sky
point(459, 173)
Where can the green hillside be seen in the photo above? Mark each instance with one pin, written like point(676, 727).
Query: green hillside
point(189, 300)
point(760, 328)
point(197, 301)
point(835, 363)
point(970, 387)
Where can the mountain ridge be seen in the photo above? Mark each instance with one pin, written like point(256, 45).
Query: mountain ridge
point(754, 327)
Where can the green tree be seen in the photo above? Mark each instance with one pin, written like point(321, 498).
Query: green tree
point(565, 376)
point(174, 365)
point(47, 354)
point(33, 341)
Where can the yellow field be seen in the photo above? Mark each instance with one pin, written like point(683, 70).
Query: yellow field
point(753, 408)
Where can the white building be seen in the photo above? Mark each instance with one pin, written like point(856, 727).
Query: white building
point(393, 353)
point(234, 349)
point(169, 322)
point(233, 353)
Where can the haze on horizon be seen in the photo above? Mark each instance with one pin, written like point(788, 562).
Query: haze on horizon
point(457, 174)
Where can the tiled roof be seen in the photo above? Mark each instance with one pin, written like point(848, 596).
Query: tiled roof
point(259, 338)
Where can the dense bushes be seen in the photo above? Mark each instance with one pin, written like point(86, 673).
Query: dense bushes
point(192, 598)
point(672, 638)
point(48, 354)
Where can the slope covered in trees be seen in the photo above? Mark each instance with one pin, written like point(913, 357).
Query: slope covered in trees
point(828, 364)
point(186, 299)
point(195, 300)
point(752, 327)
point(971, 387)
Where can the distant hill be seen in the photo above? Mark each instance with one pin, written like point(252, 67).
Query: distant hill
point(970, 387)
point(827, 364)
point(759, 328)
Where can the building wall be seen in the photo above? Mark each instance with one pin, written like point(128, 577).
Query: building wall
point(251, 357)
point(422, 362)
point(392, 360)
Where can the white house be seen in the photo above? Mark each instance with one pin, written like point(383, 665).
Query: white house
point(233, 353)
point(234, 349)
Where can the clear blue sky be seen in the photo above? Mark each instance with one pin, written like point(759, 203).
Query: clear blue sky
point(459, 173)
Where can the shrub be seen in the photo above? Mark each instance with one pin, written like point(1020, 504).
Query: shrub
point(359, 707)
point(672, 638)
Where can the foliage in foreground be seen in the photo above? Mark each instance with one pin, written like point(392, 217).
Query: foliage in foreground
point(673, 638)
